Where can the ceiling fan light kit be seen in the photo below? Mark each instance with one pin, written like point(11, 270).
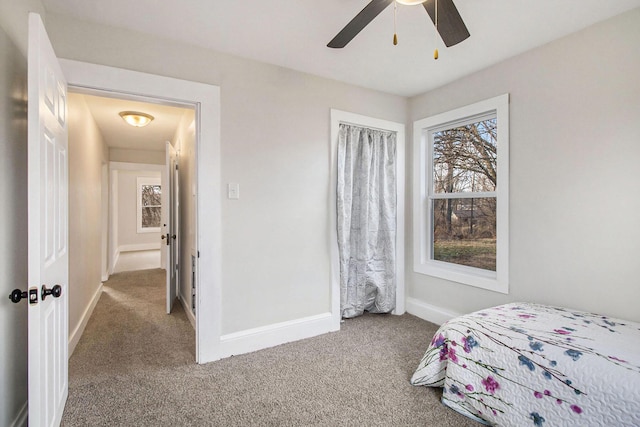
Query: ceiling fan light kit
point(410, 2)
point(449, 23)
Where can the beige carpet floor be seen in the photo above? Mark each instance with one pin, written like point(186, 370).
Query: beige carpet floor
point(135, 366)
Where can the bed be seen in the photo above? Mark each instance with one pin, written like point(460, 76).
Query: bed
point(526, 364)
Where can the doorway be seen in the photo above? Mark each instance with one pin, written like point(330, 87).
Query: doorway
point(205, 100)
point(140, 210)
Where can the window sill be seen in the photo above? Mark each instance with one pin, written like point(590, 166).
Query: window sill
point(470, 276)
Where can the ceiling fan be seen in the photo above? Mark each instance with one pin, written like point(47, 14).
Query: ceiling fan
point(447, 20)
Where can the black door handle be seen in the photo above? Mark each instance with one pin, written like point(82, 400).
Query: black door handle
point(55, 292)
point(16, 295)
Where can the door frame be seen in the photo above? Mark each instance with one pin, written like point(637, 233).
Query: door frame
point(205, 99)
point(338, 117)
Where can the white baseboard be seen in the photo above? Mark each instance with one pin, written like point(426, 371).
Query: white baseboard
point(276, 334)
point(428, 312)
point(21, 419)
point(139, 247)
point(74, 337)
point(187, 310)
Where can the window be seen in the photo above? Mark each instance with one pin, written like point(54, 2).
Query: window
point(461, 192)
point(149, 204)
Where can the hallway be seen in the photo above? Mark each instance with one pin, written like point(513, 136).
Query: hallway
point(128, 341)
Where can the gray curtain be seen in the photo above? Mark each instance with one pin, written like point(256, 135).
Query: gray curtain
point(366, 194)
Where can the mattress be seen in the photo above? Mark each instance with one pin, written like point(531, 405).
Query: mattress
point(526, 364)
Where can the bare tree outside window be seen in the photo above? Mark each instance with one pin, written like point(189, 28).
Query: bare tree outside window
point(465, 163)
point(151, 206)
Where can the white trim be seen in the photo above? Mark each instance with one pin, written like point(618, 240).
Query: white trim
point(338, 117)
point(428, 312)
point(206, 100)
point(497, 281)
point(276, 334)
point(187, 310)
point(113, 251)
point(22, 417)
point(139, 247)
point(104, 223)
point(74, 337)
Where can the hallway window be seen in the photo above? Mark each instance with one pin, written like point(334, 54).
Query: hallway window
point(149, 203)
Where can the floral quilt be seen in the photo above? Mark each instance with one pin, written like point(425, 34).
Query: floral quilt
point(527, 364)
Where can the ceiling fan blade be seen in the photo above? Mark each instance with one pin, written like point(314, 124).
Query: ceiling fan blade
point(450, 24)
point(361, 20)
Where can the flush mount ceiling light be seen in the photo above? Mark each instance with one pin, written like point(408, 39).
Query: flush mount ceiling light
point(136, 118)
point(411, 2)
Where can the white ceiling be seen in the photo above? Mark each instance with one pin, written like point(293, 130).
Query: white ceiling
point(118, 134)
point(294, 33)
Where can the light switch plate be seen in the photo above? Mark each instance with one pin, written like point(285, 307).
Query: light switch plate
point(233, 191)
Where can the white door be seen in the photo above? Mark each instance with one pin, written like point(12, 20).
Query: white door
point(171, 221)
point(48, 236)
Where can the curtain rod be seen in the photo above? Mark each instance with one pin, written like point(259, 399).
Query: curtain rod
point(366, 127)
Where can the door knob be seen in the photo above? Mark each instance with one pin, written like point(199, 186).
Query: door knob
point(17, 295)
point(55, 292)
point(166, 236)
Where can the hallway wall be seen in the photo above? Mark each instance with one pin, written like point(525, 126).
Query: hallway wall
point(128, 236)
point(184, 141)
point(87, 153)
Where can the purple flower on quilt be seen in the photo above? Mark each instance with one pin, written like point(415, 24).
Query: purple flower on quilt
point(469, 387)
point(452, 355)
point(437, 341)
point(490, 384)
point(537, 419)
point(468, 343)
point(443, 352)
point(538, 395)
point(573, 354)
point(526, 316)
point(576, 409)
point(561, 331)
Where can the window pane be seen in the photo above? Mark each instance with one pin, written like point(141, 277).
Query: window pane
point(464, 232)
point(465, 158)
point(151, 195)
point(151, 217)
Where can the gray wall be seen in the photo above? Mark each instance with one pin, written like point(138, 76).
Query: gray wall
point(13, 222)
point(13, 208)
point(275, 144)
point(87, 153)
point(574, 182)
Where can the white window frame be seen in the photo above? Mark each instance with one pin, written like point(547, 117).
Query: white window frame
point(423, 261)
point(140, 182)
